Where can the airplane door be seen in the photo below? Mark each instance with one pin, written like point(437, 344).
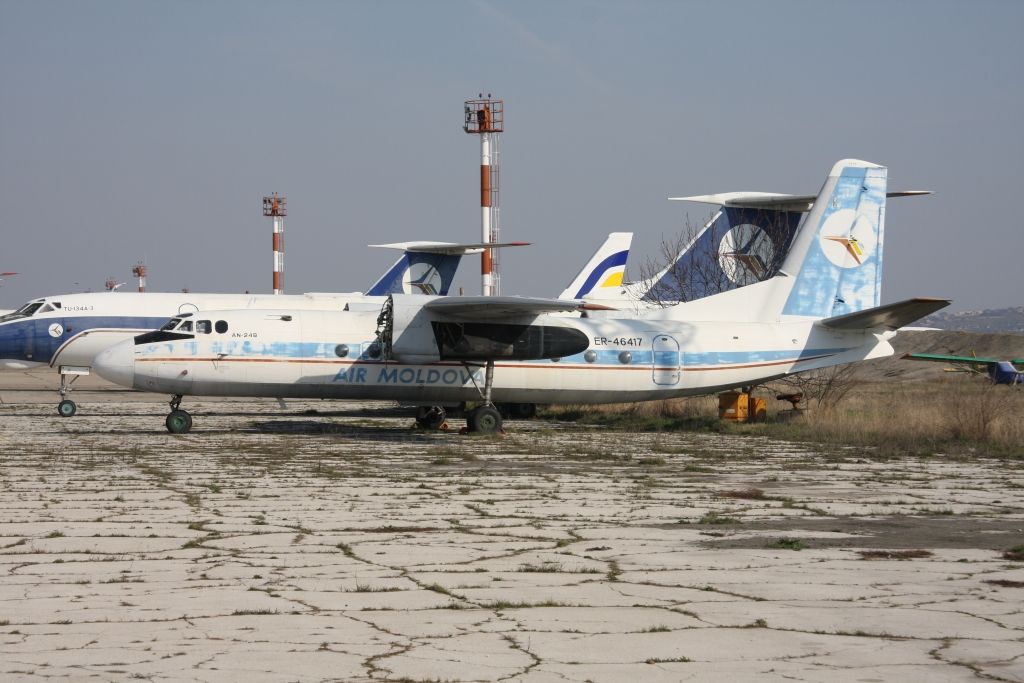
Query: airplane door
point(666, 360)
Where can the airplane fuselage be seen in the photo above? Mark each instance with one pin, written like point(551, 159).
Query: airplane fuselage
point(313, 354)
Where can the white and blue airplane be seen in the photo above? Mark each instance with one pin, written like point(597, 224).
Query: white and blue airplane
point(66, 332)
point(822, 308)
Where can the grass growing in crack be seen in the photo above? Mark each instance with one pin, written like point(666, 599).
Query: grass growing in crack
point(544, 567)
point(660, 628)
point(614, 572)
point(438, 588)
point(55, 534)
point(749, 493)
point(1015, 554)
point(1005, 583)
point(715, 518)
point(252, 612)
point(789, 544)
point(506, 604)
point(671, 660)
point(893, 554)
point(365, 588)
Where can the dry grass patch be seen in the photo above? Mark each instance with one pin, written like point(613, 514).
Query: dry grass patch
point(893, 554)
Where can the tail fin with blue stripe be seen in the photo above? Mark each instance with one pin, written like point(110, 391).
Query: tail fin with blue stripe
point(602, 277)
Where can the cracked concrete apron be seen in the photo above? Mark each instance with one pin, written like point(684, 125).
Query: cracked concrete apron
point(345, 546)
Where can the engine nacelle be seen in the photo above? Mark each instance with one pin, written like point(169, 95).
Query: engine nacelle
point(412, 333)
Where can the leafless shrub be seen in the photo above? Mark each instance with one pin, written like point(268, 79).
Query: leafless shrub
point(823, 389)
point(972, 417)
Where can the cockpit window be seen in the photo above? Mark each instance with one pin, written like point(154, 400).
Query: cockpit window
point(203, 327)
point(186, 326)
point(171, 325)
point(46, 309)
point(25, 311)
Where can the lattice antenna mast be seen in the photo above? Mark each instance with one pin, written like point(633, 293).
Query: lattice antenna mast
point(277, 208)
point(485, 117)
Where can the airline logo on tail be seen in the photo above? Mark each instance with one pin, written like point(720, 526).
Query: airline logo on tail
point(745, 254)
point(844, 246)
point(841, 269)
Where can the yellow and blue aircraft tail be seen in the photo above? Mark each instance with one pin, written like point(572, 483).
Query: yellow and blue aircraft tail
point(602, 277)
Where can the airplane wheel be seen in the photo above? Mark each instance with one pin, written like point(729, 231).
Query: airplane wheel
point(522, 411)
point(178, 422)
point(66, 408)
point(484, 420)
point(430, 417)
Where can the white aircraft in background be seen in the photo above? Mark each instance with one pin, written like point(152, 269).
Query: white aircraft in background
point(820, 309)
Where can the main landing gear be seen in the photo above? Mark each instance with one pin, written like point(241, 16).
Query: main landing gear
point(485, 418)
point(178, 421)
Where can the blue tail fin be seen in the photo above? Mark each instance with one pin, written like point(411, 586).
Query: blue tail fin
point(417, 272)
point(837, 258)
point(737, 247)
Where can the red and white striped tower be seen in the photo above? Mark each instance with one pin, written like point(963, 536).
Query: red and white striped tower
point(486, 117)
point(139, 271)
point(276, 207)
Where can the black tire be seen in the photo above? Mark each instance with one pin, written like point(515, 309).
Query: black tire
point(484, 420)
point(66, 408)
point(522, 411)
point(430, 417)
point(178, 422)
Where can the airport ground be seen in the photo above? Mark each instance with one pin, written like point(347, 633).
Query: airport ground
point(330, 541)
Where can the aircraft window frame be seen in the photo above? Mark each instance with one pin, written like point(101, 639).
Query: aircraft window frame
point(25, 311)
point(221, 326)
point(204, 327)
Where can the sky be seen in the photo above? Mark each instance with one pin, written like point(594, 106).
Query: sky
point(143, 130)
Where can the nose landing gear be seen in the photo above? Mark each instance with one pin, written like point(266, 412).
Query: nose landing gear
point(178, 421)
point(68, 375)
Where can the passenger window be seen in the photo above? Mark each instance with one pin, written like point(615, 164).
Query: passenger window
point(186, 326)
point(221, 326)
point(203, 327)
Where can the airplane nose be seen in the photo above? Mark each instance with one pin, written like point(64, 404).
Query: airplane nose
point(117, 364)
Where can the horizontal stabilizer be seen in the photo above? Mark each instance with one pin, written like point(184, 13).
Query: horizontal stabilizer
point(891, 316)
point(500, 307)
point(448, 248)
point(773, 201)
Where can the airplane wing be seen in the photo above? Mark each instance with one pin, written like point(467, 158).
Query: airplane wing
point(772, 200)
point(447, 248)
point(503, 307)
point(891, 316)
